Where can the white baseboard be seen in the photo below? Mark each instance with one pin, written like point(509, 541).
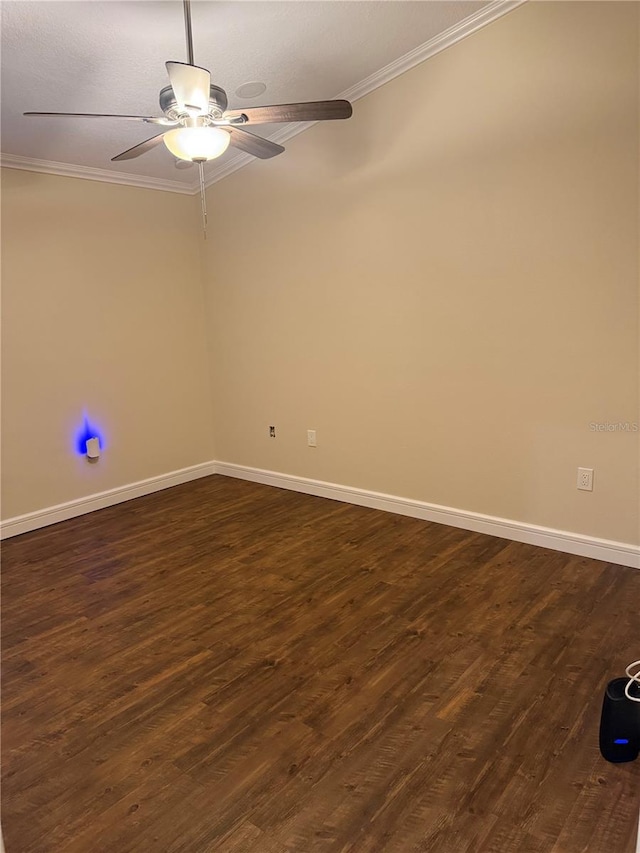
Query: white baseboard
point(519, 531)
point(71, 509)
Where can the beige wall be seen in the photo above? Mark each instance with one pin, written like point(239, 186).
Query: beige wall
point(103, 313)
point(445, 287)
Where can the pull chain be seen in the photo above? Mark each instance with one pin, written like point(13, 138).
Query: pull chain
point(203, 199)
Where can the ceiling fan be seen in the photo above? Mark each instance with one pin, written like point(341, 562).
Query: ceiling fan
point(199, 125)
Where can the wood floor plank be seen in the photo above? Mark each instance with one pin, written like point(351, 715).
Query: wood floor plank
point(229, 667)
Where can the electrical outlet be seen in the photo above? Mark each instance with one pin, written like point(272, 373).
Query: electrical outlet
point(311, 438)
point(272, 432)
point(585, 479)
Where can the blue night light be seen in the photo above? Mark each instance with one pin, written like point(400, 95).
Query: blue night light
point(86, 431)
point(621, 740)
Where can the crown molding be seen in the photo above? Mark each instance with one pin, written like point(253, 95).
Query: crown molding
point(88, 173)
point(394, 69)
point(430, 48)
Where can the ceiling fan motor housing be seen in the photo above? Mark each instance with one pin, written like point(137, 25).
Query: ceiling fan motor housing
point(217, 102)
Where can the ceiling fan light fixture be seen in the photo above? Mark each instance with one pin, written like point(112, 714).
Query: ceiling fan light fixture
point(197, 143)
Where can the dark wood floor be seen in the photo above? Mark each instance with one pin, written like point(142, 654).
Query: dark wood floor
point(225, 666)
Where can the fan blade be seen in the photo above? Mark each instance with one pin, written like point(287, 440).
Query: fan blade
point(140, 148)
point(148, 119)
point(252, 144)
point(310, 111)
point(191, 86)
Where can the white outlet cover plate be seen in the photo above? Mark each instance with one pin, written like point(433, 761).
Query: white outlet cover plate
point(585, 479)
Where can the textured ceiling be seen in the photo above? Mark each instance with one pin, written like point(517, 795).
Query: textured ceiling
point(109, 57)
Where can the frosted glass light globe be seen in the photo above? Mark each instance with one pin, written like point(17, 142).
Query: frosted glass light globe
point(197, 143)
